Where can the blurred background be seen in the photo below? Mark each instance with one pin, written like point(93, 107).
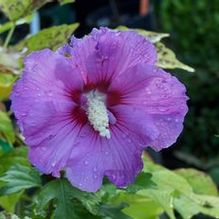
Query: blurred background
point(193, 25)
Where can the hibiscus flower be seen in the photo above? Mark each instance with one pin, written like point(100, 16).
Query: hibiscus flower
point(91, 107)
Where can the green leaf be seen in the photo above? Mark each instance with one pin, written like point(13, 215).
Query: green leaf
point(199, 181)
point(183, 192)
point(139, 206)
point(6, 128)
point(6, 147)
point(18, 178)
point(8, 25)
point(114, 211)
point(142, 181)
point(52, 38)
point(6, 84)
point(167, 59)
point(8, 202)
point(63, 2)
point(61, 193)
point(166, 179)
point(163, 197)
point(185, 207)
point(209, 205)
point(188, 207)
point(6, 215)
point(152, 36)
point(15, 156)
point(15, 10)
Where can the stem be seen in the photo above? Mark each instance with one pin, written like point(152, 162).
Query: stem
point(8, 38)
point(50, 211)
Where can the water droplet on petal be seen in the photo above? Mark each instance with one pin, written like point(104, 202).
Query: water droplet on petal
point(113, 177)
point(148, 91)
point(85, 179)
point(162, 109)
point(124, 135)
point(155, 70)
point(86, 162)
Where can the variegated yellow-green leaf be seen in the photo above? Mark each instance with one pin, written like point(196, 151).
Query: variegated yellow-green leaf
point(167, 59)
point(201, 183)
point(52, 38)
point(63, 2)
point(8, 202)
point(163, 198)
point(6, 128)
point(140, 206)
point(9, 61)
point(183, 191)
point(190, 206)
point(6, 83)
point(16, 9)
point(152, 36)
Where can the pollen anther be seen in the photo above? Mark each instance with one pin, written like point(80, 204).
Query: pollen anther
point(97, 113)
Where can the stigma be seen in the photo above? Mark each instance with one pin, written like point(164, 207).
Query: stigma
point(97, 113)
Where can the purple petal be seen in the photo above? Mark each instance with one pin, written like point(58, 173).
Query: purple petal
point(50, 131)
point(66, 50)
point(43, 105)
point(170, 126)
point(105, 53)
point(47, 77)
point(136, 121)
point(160, 95)
point(118, 158)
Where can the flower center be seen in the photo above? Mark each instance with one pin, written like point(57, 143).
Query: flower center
point(97, 113)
